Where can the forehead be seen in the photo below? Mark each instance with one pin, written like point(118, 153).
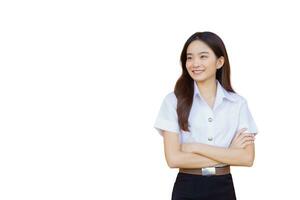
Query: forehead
point(198, 46)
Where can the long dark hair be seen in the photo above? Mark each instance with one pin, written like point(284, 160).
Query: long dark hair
point(184, 87)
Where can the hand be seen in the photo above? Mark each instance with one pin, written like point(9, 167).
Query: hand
point(241, 139)
point(187, 147)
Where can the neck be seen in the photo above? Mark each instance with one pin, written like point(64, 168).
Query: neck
point(208, 88)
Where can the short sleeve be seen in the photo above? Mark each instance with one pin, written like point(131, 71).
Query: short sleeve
point(246, 120)
point(167, 116)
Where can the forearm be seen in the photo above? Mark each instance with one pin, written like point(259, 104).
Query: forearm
point(191, 160)
point(231, 156)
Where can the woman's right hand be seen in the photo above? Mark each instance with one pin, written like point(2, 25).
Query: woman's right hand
point(241, 139)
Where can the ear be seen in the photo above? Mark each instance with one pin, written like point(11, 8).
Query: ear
point(220, 62)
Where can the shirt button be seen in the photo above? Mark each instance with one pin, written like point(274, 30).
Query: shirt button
point(210, 138)
point(210, 119)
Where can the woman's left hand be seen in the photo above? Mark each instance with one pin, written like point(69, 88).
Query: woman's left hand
point(242, 139)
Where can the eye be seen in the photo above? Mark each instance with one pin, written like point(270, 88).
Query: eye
point(203, 56)
point(188, 58)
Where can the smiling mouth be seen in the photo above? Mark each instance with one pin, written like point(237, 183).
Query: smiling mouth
point(198, 71)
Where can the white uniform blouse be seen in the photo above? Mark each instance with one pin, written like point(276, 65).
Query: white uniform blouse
point(215, 126)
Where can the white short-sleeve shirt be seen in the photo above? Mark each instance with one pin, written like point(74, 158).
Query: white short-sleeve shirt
point(214, 126)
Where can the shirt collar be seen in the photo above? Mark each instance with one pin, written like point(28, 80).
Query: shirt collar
point(221, 92)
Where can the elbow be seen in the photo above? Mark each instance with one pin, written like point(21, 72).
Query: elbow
point(248, 161)
point(246, 158)
point(172, 166)
point(243, 162)
point(248, 164)
point(173, 160)
point(172, 163)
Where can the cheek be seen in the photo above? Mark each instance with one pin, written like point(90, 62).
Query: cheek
point(211, 65)
point(188, 65)
point(211, 69)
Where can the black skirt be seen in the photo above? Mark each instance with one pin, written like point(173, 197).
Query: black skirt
point(197, 187)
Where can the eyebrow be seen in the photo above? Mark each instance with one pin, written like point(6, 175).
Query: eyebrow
point(198, 53)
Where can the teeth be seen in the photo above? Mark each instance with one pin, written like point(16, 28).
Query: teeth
point(198, 71)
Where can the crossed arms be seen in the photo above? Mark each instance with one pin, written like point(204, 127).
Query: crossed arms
point(196, 155)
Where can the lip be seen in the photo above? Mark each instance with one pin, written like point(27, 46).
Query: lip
point(198, 71)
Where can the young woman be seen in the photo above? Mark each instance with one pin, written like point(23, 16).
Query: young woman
point(206, 126)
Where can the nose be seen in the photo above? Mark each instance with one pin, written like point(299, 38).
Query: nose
point(196, 62)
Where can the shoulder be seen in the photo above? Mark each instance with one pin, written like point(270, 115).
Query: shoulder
point(170, 98)
point(238, 98)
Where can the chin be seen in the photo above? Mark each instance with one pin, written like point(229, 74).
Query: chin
point(200, 79)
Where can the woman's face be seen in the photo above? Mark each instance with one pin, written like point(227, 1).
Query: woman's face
point(202, 62)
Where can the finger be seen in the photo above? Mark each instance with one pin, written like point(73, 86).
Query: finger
point(241, 136)
point(247, 143)
point(247, 140)
point(238, 133)
point(242, 130)
point(244, 139)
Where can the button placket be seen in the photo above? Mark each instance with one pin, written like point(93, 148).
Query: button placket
point(210, 120)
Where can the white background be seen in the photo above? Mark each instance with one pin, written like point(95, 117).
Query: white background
point(81, 83)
